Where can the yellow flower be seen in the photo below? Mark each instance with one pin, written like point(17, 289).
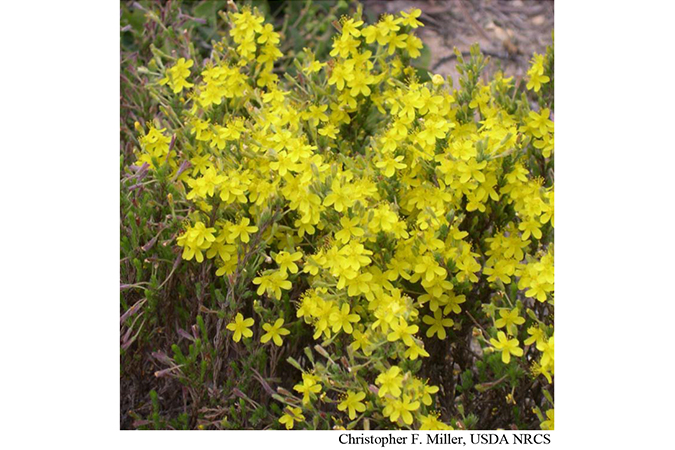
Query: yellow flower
point(402, 331)
point(540, 123)
point(548, 423)
point(536, 74)
point(349, 228)
point(352, 403)
point(426, 393)
point(401, 408)
point(537, 369)
point(242, 231)
point(431, 422)
point(528, 227)
point(287, 260)
point(292, 415)
point(547, 348)
point(329, 131)
point(313, 67)
point(453, 303)
point(507, 346)
point(308, 386)
point(267, 35)
point(274, 332)
point(390, 382)
point(438, 324)
point(415, 351)
point(536, 335)
point(362, 342)
point(509, 319)
point(350, 27)
point(339, 76)
point(316, 114)
point(176, 76)
point(413, 44)
point(240, 326)
point(430, 268)
point(390, 165)
point(341, 319)
point(195, 240)
point(410, 19)
point(274, 282)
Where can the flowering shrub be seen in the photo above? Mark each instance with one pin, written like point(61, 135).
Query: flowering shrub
point(345, 242)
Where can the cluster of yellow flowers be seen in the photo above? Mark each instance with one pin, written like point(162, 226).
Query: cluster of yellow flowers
point(536, 73)
point(176, 75)
point(357, 184)
point(155, 145)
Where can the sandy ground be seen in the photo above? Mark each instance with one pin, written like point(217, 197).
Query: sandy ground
point(507, 31)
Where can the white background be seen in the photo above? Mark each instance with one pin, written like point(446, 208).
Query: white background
point(59, 74)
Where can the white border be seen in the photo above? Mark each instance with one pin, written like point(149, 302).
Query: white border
point(614, 235)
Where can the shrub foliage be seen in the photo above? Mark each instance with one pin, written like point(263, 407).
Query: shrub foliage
point(330, 237)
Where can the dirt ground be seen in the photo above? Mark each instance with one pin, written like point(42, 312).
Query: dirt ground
point(507, 31)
